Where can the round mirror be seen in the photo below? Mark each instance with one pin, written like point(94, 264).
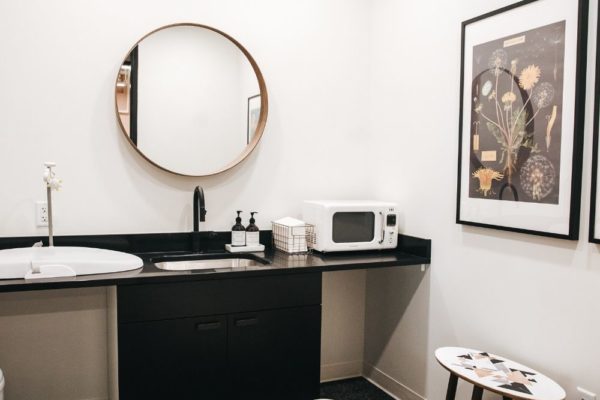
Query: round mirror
point(191, 100)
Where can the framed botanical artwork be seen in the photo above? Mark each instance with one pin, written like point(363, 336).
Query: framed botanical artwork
point(521, 118)
point(253, 116)
point(594, 232)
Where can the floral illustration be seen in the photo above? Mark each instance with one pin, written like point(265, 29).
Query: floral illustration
point(485, 176)
point(529, 77)
point(517, 92)
point(538, 177)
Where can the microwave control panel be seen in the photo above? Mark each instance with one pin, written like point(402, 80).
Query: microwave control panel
point(391, 222)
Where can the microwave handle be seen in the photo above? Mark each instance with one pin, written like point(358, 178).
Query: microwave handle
point(382, 227)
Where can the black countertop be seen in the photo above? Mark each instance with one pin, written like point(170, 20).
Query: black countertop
point(410, 251)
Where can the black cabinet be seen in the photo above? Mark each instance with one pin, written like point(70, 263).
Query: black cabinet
point(275, 354)
point(173, 359)
point(247, 338)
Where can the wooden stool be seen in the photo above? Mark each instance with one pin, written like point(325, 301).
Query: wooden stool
point(496, 374)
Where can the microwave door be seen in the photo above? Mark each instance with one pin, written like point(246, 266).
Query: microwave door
point(355, 229)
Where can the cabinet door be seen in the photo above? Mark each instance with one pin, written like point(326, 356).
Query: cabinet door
point(173, 359)
point(275, 354)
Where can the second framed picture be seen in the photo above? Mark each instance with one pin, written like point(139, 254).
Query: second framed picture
point(252, 117)
point(594, 230)
point(522, 115)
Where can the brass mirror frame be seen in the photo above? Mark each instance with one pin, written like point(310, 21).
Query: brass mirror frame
point(264, 101)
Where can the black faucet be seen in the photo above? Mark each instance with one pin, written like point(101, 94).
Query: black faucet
point(199, 208)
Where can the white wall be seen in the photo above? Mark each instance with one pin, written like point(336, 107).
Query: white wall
point(342, 344)
point(58, 104)
point(57, 73)
point(532, 299)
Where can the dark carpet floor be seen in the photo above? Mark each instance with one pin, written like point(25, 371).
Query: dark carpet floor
point(352, 389)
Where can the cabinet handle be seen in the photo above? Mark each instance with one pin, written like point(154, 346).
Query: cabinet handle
point(207, 326)
point(246, 322)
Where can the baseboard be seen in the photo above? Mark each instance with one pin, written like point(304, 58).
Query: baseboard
point(337, 371)
point(389, 385)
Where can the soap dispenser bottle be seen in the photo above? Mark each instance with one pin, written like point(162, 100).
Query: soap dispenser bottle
point(238, 232)
point(252, 232)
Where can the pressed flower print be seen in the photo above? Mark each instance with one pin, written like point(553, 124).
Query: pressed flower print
point(485, 177)
point(521, 78)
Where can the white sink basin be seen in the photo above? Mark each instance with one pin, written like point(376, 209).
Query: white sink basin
point(51, 262)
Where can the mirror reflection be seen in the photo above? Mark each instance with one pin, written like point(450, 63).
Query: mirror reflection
point(190, 101)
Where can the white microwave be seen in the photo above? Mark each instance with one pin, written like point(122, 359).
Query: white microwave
point(352, 225)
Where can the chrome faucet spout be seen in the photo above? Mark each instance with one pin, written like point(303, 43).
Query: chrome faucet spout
point(199, 208)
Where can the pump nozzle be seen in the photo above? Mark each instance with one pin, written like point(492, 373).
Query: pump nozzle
point(252, 220)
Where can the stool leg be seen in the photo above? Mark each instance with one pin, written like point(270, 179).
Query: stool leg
point(477, 392)
point(452, 383)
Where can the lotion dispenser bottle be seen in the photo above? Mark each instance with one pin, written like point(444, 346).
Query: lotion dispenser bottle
point(252, 232)
point(238, 232)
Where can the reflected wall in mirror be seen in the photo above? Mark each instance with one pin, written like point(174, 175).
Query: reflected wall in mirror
point(191, 100)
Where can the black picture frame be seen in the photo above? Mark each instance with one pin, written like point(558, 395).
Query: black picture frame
point(594, 194)
point(133, 105)
point(572, 233)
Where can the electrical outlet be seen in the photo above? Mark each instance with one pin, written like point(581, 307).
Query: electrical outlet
point(41, 213)
point(585, 394)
